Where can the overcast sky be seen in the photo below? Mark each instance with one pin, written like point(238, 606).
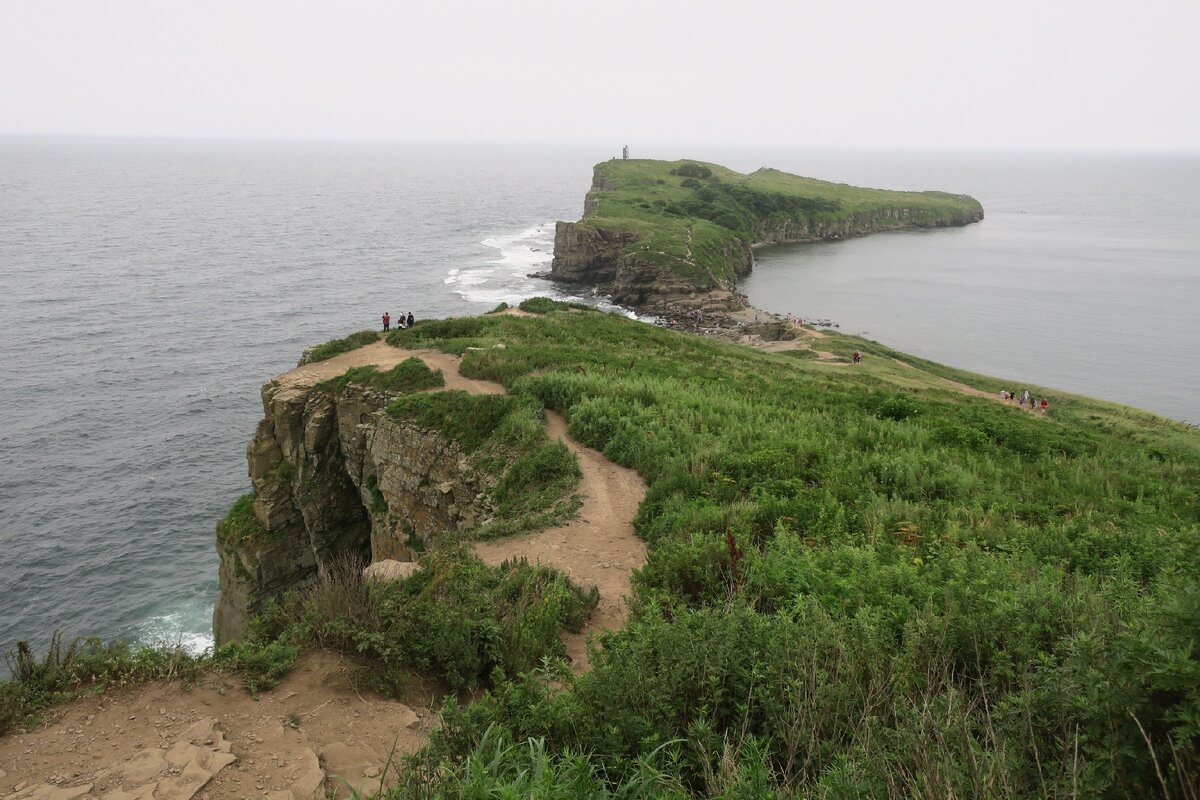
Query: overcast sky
point(1080, 74)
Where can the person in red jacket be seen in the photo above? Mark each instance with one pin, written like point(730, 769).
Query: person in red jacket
point(387, 322)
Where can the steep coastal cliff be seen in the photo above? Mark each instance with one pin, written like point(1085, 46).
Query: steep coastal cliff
point(334, 475)
point(667, 237)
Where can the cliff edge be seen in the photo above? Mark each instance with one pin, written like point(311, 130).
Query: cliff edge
point(335, 476)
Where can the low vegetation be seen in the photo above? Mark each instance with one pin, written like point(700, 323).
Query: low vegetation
point(862, 582)
point(71, 668)
point(240, 525)
point(410, 375)
point(456, 618)
point(692, 217)
point(338, 346)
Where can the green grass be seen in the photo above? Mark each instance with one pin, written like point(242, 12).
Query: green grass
point(504, 436)
point(727, 210)
point(410, 375)
point(240, 525)
point(344, 345)
point(863, 581)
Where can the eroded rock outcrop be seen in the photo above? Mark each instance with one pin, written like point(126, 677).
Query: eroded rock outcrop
point(334, 476)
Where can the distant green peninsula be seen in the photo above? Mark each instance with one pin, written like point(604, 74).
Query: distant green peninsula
point(670, 236)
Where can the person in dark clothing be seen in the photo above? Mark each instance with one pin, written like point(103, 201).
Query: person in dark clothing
point(410, 319)
point(387, 322)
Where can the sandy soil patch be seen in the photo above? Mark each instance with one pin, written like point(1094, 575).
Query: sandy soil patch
point(214, 740)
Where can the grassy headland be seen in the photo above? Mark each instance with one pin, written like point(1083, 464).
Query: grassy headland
point(862, 582)
point(697, 221)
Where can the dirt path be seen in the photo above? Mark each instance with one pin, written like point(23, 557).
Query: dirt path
point(599, 547)
point(213, 741)
point(805, 340)
point(159, 741)
point(384, 356)
point(970, 390)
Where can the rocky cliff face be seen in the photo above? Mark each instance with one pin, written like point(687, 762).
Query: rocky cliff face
point(792, 231)
point(335, 476)
point(606, 259)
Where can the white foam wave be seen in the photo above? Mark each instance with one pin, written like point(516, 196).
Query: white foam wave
point(188, 626)
point(505, 278)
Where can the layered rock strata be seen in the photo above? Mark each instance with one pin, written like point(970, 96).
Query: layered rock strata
point(606, 259)
point(335, 476)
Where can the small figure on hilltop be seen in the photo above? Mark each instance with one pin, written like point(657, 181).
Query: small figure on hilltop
point(857, 357)
point(410, 319)
point(1045, 405)
point(1003, 394)
point(387, 322)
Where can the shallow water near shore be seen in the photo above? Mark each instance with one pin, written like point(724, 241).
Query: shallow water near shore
point(151, 287)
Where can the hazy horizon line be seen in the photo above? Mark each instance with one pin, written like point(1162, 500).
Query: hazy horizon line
point(581, 144)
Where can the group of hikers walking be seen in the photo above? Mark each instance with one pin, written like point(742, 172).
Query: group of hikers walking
point(401, 321)
point(1025, 399)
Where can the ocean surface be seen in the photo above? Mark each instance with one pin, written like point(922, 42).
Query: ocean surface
point(148, 289)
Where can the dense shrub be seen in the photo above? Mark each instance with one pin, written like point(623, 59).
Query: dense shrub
point(690, 170)
point(541, 305)
point(456, 618)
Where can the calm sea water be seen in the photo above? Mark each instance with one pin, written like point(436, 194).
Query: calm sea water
point(149, 289)
point(1084, 276)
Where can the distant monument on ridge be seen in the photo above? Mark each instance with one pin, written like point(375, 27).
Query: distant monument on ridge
point(625, 153)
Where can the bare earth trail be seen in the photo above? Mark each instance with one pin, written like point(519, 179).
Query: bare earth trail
point(213, 741)
point(808, 338)
point(598, 547)
point(161, 741)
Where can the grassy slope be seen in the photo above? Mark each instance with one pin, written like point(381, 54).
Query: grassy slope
point(960, 592)
point(648, 200)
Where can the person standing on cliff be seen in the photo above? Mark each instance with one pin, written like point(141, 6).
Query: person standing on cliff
point(410, 319)
point(387, 322)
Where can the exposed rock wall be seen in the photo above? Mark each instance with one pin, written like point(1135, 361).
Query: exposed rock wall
point(605, 259)
point(333, 476)
point(792, 231)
